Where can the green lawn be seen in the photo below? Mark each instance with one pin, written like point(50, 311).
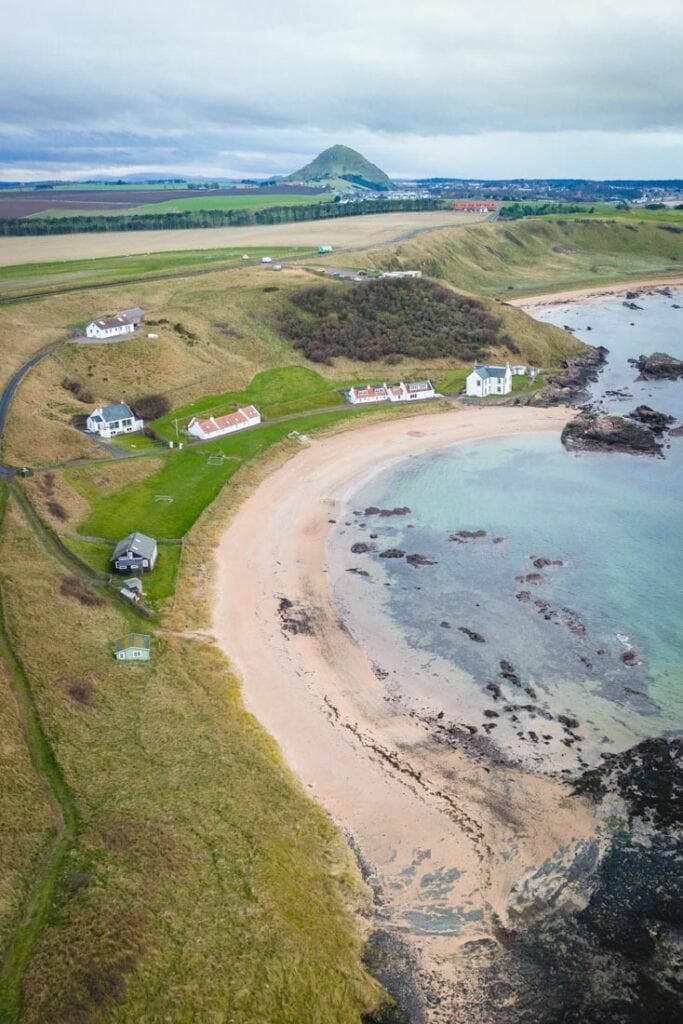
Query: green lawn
point(158, 584)
point(29, 277)
point(279, 392)
point(189, 479)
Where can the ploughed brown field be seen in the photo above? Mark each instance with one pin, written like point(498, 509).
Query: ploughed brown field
point(23, 204)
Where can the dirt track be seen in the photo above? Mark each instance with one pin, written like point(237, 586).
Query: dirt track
point(346, 232)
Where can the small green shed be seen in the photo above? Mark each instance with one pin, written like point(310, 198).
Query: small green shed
point(133, 647)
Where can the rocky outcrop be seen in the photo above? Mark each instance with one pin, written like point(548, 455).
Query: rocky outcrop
point(569, 386)
point(658, 422)
point(416, 560)
point(658, 366)
point(601, 432)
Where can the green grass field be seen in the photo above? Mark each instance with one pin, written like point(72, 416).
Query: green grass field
point(53, 277)
point(202, 201)
point(189, 478)
point(279, 392)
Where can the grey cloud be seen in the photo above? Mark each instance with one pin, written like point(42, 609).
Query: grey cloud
point(206, 82)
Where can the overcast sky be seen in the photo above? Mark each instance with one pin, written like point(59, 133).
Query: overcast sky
point(430, 87)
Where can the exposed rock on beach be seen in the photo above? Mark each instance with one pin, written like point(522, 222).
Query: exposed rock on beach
point(658, 366)
point(591, 431)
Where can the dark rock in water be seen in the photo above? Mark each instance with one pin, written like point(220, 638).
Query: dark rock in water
point(570, 329)
point(530, 577)
point(523, 595)
point(374, 536)
point(570, 723)
point(541, 562)
point(603, 432)
point(658, 422)
point(631, 305)
point(416, 560)
point(676, 432)
point(630, 657)
point(658, 366)
point(498, 540)
point(445, 625)
point(360, 548)
point(384, 513)
point(675, 306)
point(491, 714)
point(507, 671)
point(477, 637)
point(632, 295)
point(464, 535)
point(358, 572)
point(392, 553)
point(494, 689)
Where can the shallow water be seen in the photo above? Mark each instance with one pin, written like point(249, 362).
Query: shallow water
point(613, 521)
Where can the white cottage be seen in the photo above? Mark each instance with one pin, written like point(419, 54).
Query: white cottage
point(121, 323)
point(110, 420)
point(391, 393)
point(217, 426)
point(489, 380)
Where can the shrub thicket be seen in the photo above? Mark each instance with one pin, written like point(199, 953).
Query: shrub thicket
point(151, 407)
point(388, 319)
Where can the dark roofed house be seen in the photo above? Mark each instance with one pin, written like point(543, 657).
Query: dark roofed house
point(135, 553)
point(489, 380)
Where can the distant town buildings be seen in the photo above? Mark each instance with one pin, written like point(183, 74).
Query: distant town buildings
point(489, 380)
point(401, 392)
point(475, 205)
point(111, 420)
point(125, 322)
point(217, 426)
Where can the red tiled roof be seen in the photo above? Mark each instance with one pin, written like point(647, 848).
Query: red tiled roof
point(217, 424)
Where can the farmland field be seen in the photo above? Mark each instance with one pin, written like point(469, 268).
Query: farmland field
point(16, 203)
point(188, 204)
point(361, 231)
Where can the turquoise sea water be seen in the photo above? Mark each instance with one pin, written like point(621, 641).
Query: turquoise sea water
point(614, 521)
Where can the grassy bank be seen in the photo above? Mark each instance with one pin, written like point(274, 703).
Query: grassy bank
point(202, 884)
point(541, 254)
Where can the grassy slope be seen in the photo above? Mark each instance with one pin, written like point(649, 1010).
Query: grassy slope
point(202, 883)
point(502, 259)
point(39, 277)
point(202, 201)
point(232, 314)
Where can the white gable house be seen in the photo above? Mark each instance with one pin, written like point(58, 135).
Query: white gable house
point(110, 420)
point(489, 380)
point(391, 393)
point(124, 322)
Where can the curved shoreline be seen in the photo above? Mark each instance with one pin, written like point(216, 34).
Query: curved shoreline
point(415, 807)
point(582, 295)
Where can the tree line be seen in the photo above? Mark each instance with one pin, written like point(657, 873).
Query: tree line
point(209, 218)
point(515, 211)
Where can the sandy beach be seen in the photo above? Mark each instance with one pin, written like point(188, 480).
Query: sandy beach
point(442, 830)
point(606, 291)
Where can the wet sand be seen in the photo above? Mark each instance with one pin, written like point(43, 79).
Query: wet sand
point(607, 291)
point(443, 828)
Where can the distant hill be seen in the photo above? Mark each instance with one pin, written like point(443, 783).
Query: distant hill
point(342, 167)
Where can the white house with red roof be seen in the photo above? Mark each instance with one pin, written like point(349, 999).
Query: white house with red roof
point(217, 426)
point(393, 393)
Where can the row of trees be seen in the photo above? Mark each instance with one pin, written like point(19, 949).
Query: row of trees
point(388, 319)
point(208, 218)
point(514, 211)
